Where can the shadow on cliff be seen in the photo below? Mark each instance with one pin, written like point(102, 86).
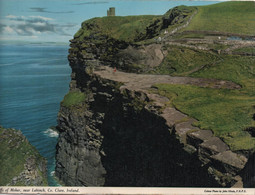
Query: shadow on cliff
point(140, 150)
point(248, 173)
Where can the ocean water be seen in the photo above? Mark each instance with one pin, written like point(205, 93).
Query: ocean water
point(33, 81)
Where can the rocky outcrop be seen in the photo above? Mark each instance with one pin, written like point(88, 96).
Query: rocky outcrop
point(120, 139)
point(175, 19)
point(21, 163)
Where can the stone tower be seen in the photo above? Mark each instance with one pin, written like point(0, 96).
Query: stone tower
point(111, 11)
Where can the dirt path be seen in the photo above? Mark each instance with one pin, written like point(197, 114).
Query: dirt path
point(143, 81)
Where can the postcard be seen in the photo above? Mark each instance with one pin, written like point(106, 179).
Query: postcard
point(127, 97)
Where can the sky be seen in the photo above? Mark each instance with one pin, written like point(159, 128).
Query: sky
point(58, 20)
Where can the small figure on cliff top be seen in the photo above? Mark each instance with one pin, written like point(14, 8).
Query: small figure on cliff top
point(114, 70)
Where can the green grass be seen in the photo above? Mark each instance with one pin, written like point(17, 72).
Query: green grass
point(180, 61)
point(231, 17)
point(247, 50)
point(239, 69)
point(126, 28)
point(73, 99)
point(218, 46)
point(134, 28)
point(14, 150)
point(226, 112)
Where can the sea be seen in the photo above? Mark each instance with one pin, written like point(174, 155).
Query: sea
point(34, 78)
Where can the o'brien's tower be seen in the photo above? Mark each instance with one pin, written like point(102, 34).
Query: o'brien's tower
point(111, 11)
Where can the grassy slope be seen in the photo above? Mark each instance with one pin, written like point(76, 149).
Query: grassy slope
point(14, 150)
point(181, 60)
point(246, 50)
point(73, 98)
point(226, 112)
point(239, 69)
point(122, 28)
point(232, 17)
point(134, 28)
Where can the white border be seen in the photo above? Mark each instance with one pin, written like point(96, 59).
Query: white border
point(124, 190)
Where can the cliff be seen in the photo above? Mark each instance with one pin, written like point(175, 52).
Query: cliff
point(119, 128)
point(21, 164)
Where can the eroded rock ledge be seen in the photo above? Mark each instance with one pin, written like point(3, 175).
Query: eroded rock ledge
point(222, 164)
point(125, 135)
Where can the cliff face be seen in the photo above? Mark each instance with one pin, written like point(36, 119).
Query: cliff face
point(116, 130)
point(21, 164)
point(118, 138)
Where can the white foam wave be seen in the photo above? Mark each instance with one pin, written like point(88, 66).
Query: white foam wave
point(51, 133)
point(52, 173)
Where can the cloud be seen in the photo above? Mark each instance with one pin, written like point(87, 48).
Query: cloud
point(30, 25)
point(34, 28)
point(68, 25)
point(34, 25)
point(91, 2)
point(43, 10)
point(61, 29)
point(32, 19)
point(8, 29)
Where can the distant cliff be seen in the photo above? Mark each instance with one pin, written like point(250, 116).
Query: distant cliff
point(115, 129)
point(21, 164)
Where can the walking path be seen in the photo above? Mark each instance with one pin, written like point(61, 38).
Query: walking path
point(143, 81)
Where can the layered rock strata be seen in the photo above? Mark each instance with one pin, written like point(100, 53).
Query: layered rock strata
point(125, 135)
